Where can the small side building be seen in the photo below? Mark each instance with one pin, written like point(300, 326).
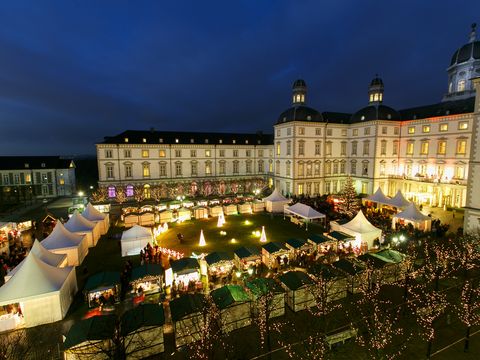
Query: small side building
point(298, 287)
point(267, 295)
point(234, 305)
point(187, 318)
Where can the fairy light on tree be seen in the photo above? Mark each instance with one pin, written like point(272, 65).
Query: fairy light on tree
point(120, 196)
point(469, 309)
point(348, 204)
point(100, 195)
point(138, 193)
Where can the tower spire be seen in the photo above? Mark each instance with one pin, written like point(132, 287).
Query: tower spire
point(473, 33)
point(375, 91)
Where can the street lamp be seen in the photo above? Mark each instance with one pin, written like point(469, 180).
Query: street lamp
point(80, 193)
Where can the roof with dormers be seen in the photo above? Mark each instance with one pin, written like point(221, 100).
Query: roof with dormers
point(34, 162)
point(375, 112)
point(179, 137)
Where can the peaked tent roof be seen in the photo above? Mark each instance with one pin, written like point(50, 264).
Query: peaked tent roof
point(43, 254)
point(228, 295)
point(34, 278)
point(275, 196)
point(360, 224)
point(100, 327)
point(92, 214)
point(378, 197)
point(78, 223)
point(61, 238)
point(304, 211)
point(136, 232)
point(412, 213)
point(398, 200)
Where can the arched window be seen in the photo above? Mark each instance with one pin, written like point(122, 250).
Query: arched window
point(112, 192)
point(129, 191)
point(146, 191)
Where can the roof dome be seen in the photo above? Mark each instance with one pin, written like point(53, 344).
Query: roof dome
point(299, 83)
point(376, 81)
point(300, 113)
point(375, 112)
point(470, 51)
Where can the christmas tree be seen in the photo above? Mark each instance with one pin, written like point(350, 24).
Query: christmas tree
point(348, 202)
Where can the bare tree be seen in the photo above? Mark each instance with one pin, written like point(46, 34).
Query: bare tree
point(121, 196)
point(469, 309)
point(100, 195)
point(14, 345)
point(156, 193)
point(138, 193)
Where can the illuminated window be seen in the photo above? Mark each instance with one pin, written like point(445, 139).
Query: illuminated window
point(328, 148)
point(343, 148)
point(411, 130)
point(395, 148)
point(300, 189)
point(301, 169)
point(442, 147)
point(461, 85)
point(318, 145)
point(459, 172)
point(289, 147)
point(28, 178)
point(145, 153)
point(144, 140)
point(178, 153)
point(426, 128)
point(235, 153)
point(161, 153)
point(422, 169)
point(461, 147)
point(163, 169)
point(194, 169)
point(301, 147)
point(270, 166)
point(61, 181)
point(220, 141)
point(443, 127)
point(355, 132)
point(301, 131)
point(126, 140)
point(112, 192)
point(383, 147)
point(382, 169)
point(408, 169)
point(146, 169)
point(278, 148)
point(410, 148)
point(129, 191)
point(424, 148)
point(146, 191)
point(176, 141)
point(127, 153)
point(364, 188)
point(192, 141)
point(463, 125)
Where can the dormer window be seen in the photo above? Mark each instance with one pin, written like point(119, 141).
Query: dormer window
point(206, 141)
point(144, 140)
point(234, 141)
point(160, 140)
point(191, 141)
point(309, 117)
point(461, 85)
point(246, 141)
point(27, 165)
point(42, 165)
point(126, 140)
point(176, 141)
point(220, 141)
point(362, 118)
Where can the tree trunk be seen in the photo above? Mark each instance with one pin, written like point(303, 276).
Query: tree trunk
point(467, 340)
point(429, 349)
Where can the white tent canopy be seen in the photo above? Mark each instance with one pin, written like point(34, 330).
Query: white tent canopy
point(79, 225)
point(304, 211)
point(359, 227)
point(275, 202)
point(135, 239)
point(412, 215)
point(378, 197)
point(45, 292)
point(398, 201)
point(92, 214)
point(62, 241)
point(48, 257)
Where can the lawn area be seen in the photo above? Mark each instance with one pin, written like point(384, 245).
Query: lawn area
point(236, 227)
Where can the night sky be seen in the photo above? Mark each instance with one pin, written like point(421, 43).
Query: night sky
point(72, 72)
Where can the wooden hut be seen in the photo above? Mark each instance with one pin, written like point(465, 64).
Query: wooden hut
point(354, 271)
point(165, 216)
point(245, 208)
point(147, 278)
point(200, 212)
point(296, 247)
point(187, 318)
point(258, 206)
point(183, 214)
point(272, 252)
point(334, 281)
point(219, 263)
point(215, 210)
point(267, 295)
point(230, 209)
point(234, 305)
point(246, 257)
point(106, 284)
point(298, 287)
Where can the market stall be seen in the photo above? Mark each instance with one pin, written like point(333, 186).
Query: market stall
point(147, 279)
point(258, 206)
point(335, 282)
point(165, 216)
point(200, 212)
point(92, 214)
point(62, 241)
point(247, 257)
point(90, 338)
point(185, 274)
point(146, 218)
point(131, 219)
point(298, 286)
point(274, 254)
point(50, 258)
point(142, 329)
point(187, 313)
point(305, 213)
point(234, 305)
point(364, 232)
point(37, 285)
point(354, 272)
point(378, 198)
point(411, 215)
point(297, 247)
point(323, 243)
point(230, 209)
point(79, 225)
point(135, 239)
point(245, 208)
point(398, 201)
point(267, 295)
point(219, 264)
point(215, 210)
point(275, 202)
point(183, 214)
point(102, 289)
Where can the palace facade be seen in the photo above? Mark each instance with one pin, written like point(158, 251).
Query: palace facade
point(427, 152)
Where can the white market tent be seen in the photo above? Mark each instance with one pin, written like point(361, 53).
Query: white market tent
point(413, 216)
point(275, 202)
point(44, 292)
point(361, 228)
point(48, 257)
point(135, 239)
point(92, 214)
point(398, 201)
point(304, 211)
point(62, 241)
point(79, 225)
point(378, 197)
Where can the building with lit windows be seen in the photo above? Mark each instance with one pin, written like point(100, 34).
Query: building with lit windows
point(25, 178)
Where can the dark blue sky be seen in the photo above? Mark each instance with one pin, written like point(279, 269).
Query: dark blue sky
point(72, 72)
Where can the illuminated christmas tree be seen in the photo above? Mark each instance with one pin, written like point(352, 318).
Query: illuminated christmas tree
point(221, 219)
point(348, 202)
point(263, 237)
point(202, 241)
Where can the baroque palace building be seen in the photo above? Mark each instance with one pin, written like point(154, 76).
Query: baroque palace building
point(427, 152)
